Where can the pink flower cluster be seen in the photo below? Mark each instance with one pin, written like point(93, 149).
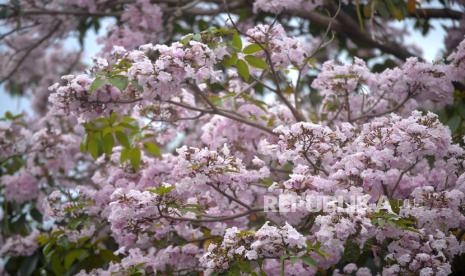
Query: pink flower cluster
point(283, 50)
point(353, 93)
point(20, 246)
point(267, 242)
point(142, 24)
point(21, 187)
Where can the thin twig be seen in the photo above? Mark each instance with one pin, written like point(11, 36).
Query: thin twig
point(224, 218)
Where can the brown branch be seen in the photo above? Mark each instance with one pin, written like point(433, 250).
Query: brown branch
point(64, 12)
point(430, 13)
point(201, 114)
point(402, 175)
point(217, 111)
point(394, 109)
point(227, 115)
point(29, 50)
point(224, 218)
point(315, 167)
point(17, 29)
point(232, 198)
point(347, 28)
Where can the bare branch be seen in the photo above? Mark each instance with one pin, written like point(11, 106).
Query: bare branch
point(437, 13)
point(351, 30)
point(29, 50)
point(223, 218)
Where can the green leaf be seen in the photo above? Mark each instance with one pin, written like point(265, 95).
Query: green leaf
point(11, 117)
point(243, 69)
point(152, 149)
point(97, 83)
point(124, 156)
point(308, 260)
point(123, 65)
point(36, 215)
point(193, 209)
point(134, 157)
point(137, 86)
point(162, 190)
point(29, 265)
point(282, 269)
point(47, 250)
point(128, 119)
point(234, 270)
point(107, 130)
point(100, 122)
point(237, 41)
point(92, 147)
point(260, 104)
point(119, 82)
point(197, 37)
point(76, 254)
point(108, 143)
point(367, 11)
point(252, 49)
point(382, 9)
point(57, 268)
point(351, 251)
point(122, 139)
point(454, 122)
point(107, 255)
point(256, 62)
point(359, 15)
point(396, 13)
point(82, 146)
point(4, 12)
point(271, 122)
point(230, 60)
point(267, 181)
point(244, 266)
point(129, 126)
point(215, 99)
point(185, 40)
point(294, 259)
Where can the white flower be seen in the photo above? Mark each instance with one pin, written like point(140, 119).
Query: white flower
point(251, 255)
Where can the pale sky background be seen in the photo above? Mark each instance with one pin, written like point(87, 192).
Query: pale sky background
point(17, 105)
point(431, 45)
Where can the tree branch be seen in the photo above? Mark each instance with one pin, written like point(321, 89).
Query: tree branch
point(348, 29)
point(429, 13)
point(224, 218)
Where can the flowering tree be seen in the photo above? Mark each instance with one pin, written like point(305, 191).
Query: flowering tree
point(203, 132)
